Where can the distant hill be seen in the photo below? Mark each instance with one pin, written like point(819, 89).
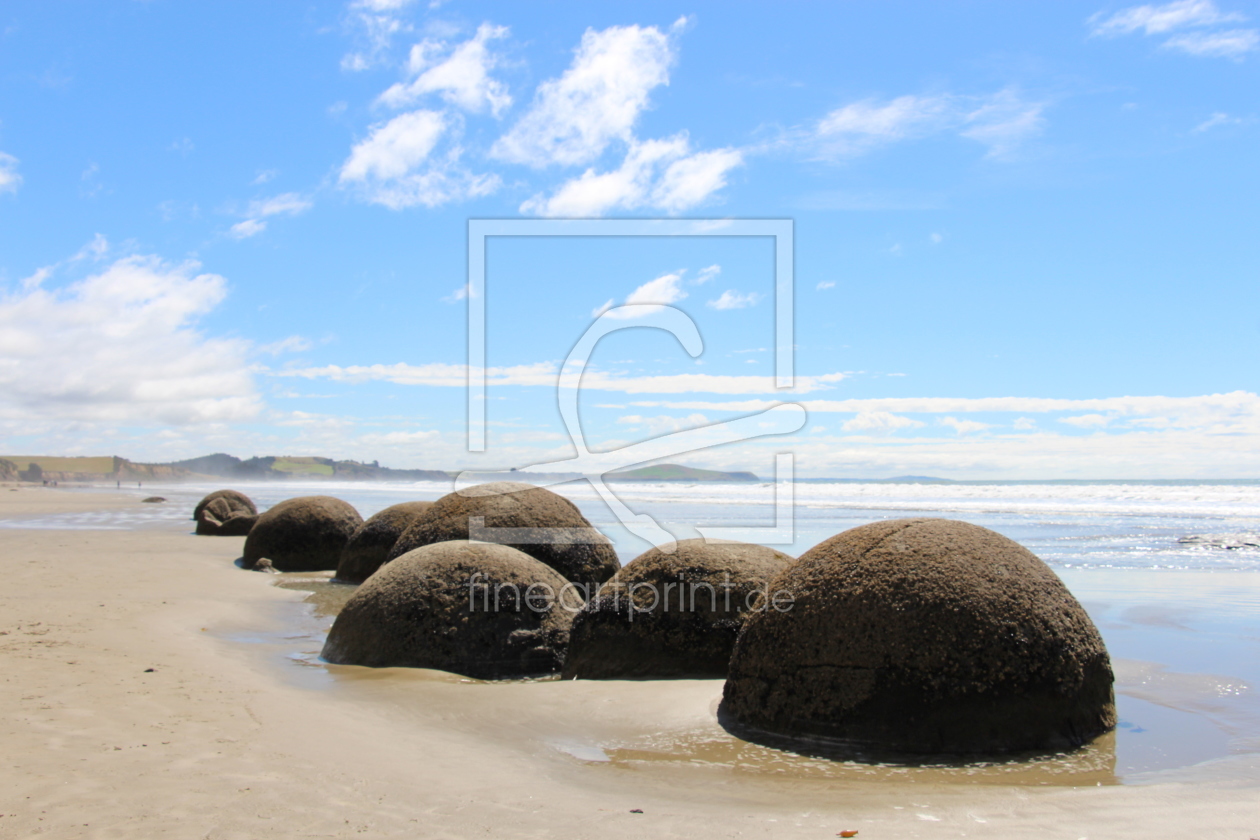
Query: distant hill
point(89, 468)
point(677, 472)
point(271, 467)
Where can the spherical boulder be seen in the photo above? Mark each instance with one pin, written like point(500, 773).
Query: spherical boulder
point(369, 546)
point(534, 520)
point(921, 636)
point(305, 534)
point(482, 610)
point(673, 611)
point(213, 511)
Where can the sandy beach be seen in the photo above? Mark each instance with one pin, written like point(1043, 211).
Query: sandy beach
point(151, 688)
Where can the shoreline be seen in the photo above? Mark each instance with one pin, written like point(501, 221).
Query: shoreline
point(230, 736)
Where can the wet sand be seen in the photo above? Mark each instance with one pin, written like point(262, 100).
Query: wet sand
point(236, 732)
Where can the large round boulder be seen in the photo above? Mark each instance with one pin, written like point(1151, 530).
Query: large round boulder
point(534, 520)
point(305, 534)
point(921, 636)
point(217, 509)
point(369, 546)
point(482, 610)
point(673, 611)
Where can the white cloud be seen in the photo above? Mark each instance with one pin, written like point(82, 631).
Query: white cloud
point(1235, 413)
point(1183, 14)
point(664, 423)
point(292, 344)
point(963, 427)
point(731, 299)
point(1232, 43)
point(395, 148)
point(690, 181)
point(860, 126)
point(462, 293)
point(1024, 424)
point(377, 25)
point(264, 176)
point(708, 273)
point(879, 421)
point(10, 180)
point(1153, 20)
point(462, 79)
point(1220, 118)
point(935, 238)
point(381, 5)
point(1087, 421)
point(393, 166)
point(545, 374)
point(289, 204)
point(598, 99)
point(662, 291)
point(687, 180)
point(1004, 121)
point(247, 228)
point(121, 348)
point(397, 438)
point(825, 284)
point(999, 120)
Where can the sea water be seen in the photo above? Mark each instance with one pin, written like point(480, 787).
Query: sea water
point(1181, 621)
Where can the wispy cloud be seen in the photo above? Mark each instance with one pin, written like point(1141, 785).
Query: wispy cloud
point(1181, 15)
point(393, 165)
point(1154, 20)
point(598, 99)
point(1220, 118)
point(460, 75)
point(10, 180)
point(1001, 121)
point(879, 421)
point(661, 174)
point(286, 204)
point(1232, 43)
point(648, 298)
point(375, 24)
point(731, 299)
point(546, 374)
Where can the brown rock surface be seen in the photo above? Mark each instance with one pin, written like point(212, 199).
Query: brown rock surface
point(561, 536)
point(369, 546)
point(922, 636)
point(428, 609)
point(305, 534)
point(671, 614)
point(220, 506)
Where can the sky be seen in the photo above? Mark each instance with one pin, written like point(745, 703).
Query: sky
point(1024, 235)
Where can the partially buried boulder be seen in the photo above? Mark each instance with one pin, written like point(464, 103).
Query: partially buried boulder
point(540, 523)
point(218, 508)
point(921, 636)
point(477, 609)
point(305, 534)
point(369, 546)
point(671, 614)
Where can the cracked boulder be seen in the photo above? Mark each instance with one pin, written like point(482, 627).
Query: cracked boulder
point(923, 637)
point(477, 609)
point(225, 513)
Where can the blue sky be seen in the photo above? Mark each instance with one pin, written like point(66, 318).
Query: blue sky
point(1025, 234)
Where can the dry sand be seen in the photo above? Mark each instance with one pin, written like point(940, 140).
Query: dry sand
point(225, 738)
